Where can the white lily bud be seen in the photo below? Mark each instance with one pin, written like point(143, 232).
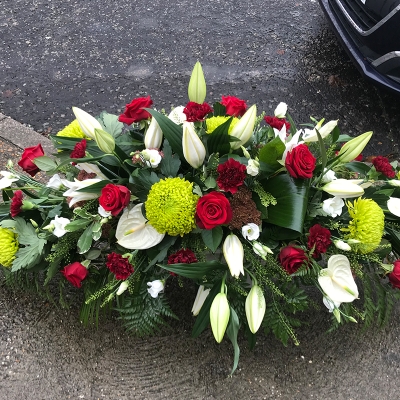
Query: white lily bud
point(261, 250)
point(233, 253)
point(280, 110)
point(340, 244)
point(219, 316)
point(153, 136)
point(87, 123)
point(343, 188)
point(197, 88)
point(193, 148)
point(122, 287)
point(199, 300)
point(354, 147)
point(243, 130)
point(255, 308)
point(105, 142)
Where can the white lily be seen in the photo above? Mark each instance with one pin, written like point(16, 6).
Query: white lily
point(337, 281)
point(8, 179)
point(54, 182)
point(199, 300)
point(233, 253)
point(105, 142)
point(177, 115)
point(87, 123)
point(155, 287)
point(243, 130)
point(251, 231)
point(255, 308)
point(291, 144)
point(282, 133)
point(310, 135)
point(59, 224)
point(134, 232)
point(153, 136)
point(343, 188)
point(333, 206)
point(280, 110)
point(91, 168)
point(393, 205)
point(193, 148)
point(73, 188)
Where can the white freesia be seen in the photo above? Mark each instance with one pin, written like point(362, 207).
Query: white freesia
point(233, 253)
point(103, 213)
point(177, 115)
point(59, 224)
point(122, 287)
point(193, 148)
point(393, 205)
point(253, 167)
point(343, 188)
point(251, 231)
point(87, 123)
point(340, 244)
point(337, 280)
point(8, 179)
point(199, 300)
point(155, 287)
point(54, 182)
point(134, 232)
point(310, 135)
point(329, 304)
point(333, 206)
point(153, 157)
point(243, 130)
point(291, 144)
point(91, 169)
point(280, 110)
point(153, 136)
point(255, 308)
point(73, 188)
point(328, 176)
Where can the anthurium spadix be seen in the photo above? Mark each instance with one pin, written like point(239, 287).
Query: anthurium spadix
point(87, 123)
point(193, 148)
point(197, 85)
point(343, 188)
point(337, 280)
point(255, 308)
point(233, 253)
point(243, 130)
point(153, 136)
point(219, 316)
point(105, 142)
point(353, 148)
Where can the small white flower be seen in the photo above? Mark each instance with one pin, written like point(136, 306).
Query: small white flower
point(280, 110)
point(330, 305)
point(253, 167)
point(152, 156)
point(155, 288)
point(251, 231)
point(122, 287)
point(103, 213)
point(342, 245)
point(59, 224)
point(328, 176)
point(393, 205)
point(54, 182)
point(8, 179)
point(333, 206)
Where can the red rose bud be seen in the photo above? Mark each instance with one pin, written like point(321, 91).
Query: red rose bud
point(234, 106)
point(26, 161)
point(114, 198)
point(75, 273)
point(292, 258)
point(134, 111)
point(300, 162)
point(213, 209)
point(231, 175)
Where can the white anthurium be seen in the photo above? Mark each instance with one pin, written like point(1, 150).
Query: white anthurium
point(134, 232)
point(154, 136)
point(337, 280)
point(343, 188)
point(251, 231)
point(280, 110)
point(193, 148)
point(329, 304)
point(90, 169)
point(177, 115)
point(310, 135)
point(393, 205)
point(243, 130)
point(255, 308)
point(87, 123)
point(201, 296)
point(76, 185)
point(328, 176)
point(152, 156)
point(353, 148)
point(59, 224)
point(340, 244)
point(54, 182)
point(333, 206)
point(8, 179)
point(253, 167)
point(103, 213)
point(291, 144)
point(155, 287)
point(122, 287)
point(233, 253)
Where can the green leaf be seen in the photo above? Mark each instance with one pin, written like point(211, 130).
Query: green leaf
point(335, 134)
point(55, 211)
point(45, 163)
point(322, 150)
point(212, 237)
point(357, 166)
point(272, 152)
point(219, 140)
point(194, 270)
point(147, 178)
point(95, 188)
point(232, 332)
point(52, 270)
point(159, 252)
point(169, 164)
point(83, 213)
point(219, 110)
point(77, 225)
point(85, 240)
point(110, 123)
point(28, 256)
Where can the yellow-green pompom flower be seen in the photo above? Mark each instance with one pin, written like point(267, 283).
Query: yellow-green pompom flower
point(171, 206)
point(72, 130)
point(214, 122)
point(366, 225)
point(8, 247)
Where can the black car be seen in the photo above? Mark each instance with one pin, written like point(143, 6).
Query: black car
point(369, 30)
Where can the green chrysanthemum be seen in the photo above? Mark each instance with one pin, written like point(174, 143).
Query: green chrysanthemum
point(8, 247)
point(72, 130)
point(366, 225)
point(171, 206)
point(214, 122)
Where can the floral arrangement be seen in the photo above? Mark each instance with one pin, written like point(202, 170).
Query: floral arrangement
point(249, 207)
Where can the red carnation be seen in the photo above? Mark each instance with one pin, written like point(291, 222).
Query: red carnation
point(382, 165)
point(75, 273)
point(26, 161)
point(394, 276)
point(234, 106)
point(277, 123)
point(300, 162)
point(292, 258)
point(79, 150)
point(134, 111)
point(319, 239)
point(196, 112)
point(231, 174)
point(183, 256)
point(119, 266)
point(16, 203)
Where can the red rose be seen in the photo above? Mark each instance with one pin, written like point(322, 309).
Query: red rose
point(183, 256)
point(234, 106)
point(231, 174)
point(75, 273)
point(394, 276)
point(16, 203)
point(114, 198)
point(29, 154)
point(292, 258)
point(277, 123)
point(134, 111)
point(300, 162)
point(320, 239)
point(382, 165)
point(119, 266)
point(196, 112)
point(213, 209)
point(79, 150)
